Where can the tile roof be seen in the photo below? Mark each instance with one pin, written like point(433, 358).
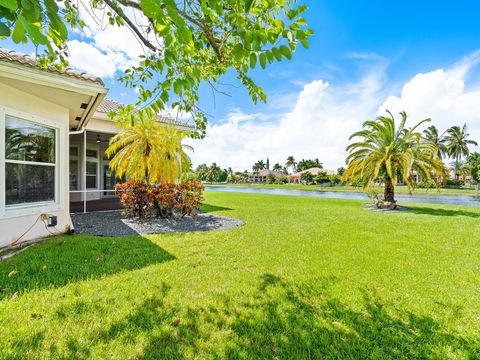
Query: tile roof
point(27, 60)
point(313, 171)
point(108, 105)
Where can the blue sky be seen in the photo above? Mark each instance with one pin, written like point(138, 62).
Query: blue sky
point(362, 56)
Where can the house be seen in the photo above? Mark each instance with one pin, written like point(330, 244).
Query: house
point(262, 175)
point(296, 178)
point(54, 130)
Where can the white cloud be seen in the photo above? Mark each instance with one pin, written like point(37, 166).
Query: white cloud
point(113, 48)
point(84, 56)
point(324, 115)
point(443, 96)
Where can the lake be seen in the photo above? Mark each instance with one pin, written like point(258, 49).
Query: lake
point(418, 198)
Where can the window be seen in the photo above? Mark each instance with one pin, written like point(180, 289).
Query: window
point(91, 175)
point(92, 153)
point(73, 174)
point(30, 162)
point(73, 151)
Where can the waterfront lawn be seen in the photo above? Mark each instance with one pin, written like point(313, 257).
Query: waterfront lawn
point(399, 189)
point(304, 278)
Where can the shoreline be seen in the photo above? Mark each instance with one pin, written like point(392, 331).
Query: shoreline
point(348, 188)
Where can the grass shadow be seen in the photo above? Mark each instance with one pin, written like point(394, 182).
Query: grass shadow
point(443, 212)
point(212, 208)
point(58, 261)
point(281, 320)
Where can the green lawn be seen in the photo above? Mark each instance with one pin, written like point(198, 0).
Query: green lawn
point(398, 189)
point(304, 278)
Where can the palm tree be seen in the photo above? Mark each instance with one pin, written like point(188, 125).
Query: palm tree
point(291, 163)
point(259, 165)
point(459, 167)
point(277, 167)
point(473, 165)
point(387, 153)
point(432, 135)
point(457, 141)
point(146, 150)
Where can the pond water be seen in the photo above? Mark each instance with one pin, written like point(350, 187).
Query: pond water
point(418, 198)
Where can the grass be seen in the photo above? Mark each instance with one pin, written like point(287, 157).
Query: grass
point(304, 278)
point(398, 189)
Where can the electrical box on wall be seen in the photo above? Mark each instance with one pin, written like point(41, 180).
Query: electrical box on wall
point(52, 221)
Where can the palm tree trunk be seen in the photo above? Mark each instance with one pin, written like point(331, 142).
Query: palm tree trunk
point(389, 191)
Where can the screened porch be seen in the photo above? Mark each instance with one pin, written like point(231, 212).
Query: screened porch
point(91, 181)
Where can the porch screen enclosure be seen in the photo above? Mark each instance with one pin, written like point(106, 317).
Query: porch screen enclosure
point(91, 180)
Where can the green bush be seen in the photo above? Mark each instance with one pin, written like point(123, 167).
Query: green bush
point(141, 199)
point(282, 180)
point(454, 183)
point(322, 178)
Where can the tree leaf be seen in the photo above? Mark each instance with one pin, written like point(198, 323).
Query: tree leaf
point(248, 5)
point(286, 52)
point(34, 31)
point(18, 33)
point(4, 30)
point(269, 55)
point(277, 54)
point(253, 60)
point(263, 60)
point(304, 42)
point(9, 4)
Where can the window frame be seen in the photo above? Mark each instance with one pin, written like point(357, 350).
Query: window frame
point(79, 165)
point(95, 160)
point(59, 197)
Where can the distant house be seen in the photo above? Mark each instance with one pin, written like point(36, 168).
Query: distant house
point(54, 130)
point(296, 178)
point(262, 175)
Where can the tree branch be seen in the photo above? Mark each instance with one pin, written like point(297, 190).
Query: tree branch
point(119, 11)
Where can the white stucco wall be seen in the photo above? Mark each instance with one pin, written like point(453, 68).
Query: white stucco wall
point(16, 221)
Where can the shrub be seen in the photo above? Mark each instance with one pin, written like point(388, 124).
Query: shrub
point(135, 197)
point(189, 197)
point(307, 177)
point(322, 178)
point(453, 183)
point(334, 179)
point(163, 200)
point(271, 179)
point(282, 180)
point(374, 191)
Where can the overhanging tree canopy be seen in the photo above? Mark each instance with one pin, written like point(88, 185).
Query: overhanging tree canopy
point(187, 42)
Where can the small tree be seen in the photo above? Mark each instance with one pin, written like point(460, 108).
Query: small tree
point(322, 178)
point(145, 150)
point(307, 177)
point(387, 152)
point(271, 179)
point(473, 164)
point(187, 43)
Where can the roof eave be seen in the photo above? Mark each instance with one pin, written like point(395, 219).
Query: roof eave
point(60, 81)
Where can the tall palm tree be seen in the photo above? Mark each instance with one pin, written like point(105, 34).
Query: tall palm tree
point(457, 141)
point(386, 152)
point(432, 135)
point(291, 163)
point(259, 165)
point(146, 150)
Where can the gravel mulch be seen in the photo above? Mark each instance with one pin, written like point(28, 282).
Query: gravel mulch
point(112, 223)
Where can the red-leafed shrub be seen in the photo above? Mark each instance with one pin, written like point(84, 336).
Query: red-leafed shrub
point(163, 200)
point(135, 196)
point(189, 196)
